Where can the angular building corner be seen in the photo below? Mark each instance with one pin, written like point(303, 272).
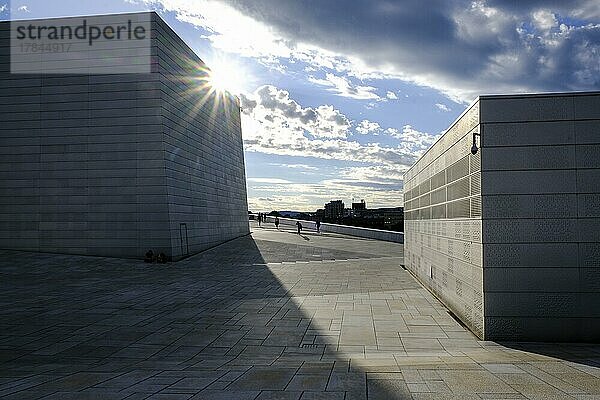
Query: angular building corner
point(509, 237)
point(115, 164)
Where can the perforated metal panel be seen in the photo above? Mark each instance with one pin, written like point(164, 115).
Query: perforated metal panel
point(442, 240)
point(458, 170)
point(475, 162)
point(438, 212)
point(476, 207)
point(438, 180)
point(458, 189)
point(459, 209)
point(424, 187)
point(438, 196)
point(476, 183)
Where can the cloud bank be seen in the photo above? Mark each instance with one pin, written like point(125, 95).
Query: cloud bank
point(461, 48)
point(274, 123)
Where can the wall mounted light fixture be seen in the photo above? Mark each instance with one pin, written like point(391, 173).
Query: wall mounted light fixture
point(474, 147)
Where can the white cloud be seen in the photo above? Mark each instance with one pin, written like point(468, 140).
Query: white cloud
point(275, 109)
point(388, 177)
point(377, 178)
point(23, 9)
point(391, 95)
point(275, 181)
point(442, 107)
point(274, 123)
point(365, 127)
point(544, 20)
point(343, 87)
point(460, 49)
point(411, 140)
point(3, 7)
point(311, 196)
point(295, 166)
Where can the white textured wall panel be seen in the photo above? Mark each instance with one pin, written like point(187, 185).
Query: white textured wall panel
point(443, 231)
point(510, 239)
point(87, 166)
point(541, 208)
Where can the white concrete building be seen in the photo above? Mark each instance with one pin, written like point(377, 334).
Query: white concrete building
point(115, 163)
point(509, 238)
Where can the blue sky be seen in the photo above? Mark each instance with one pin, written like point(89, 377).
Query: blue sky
point(340, 97)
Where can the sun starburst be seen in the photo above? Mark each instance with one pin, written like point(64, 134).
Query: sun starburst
point(225, 76)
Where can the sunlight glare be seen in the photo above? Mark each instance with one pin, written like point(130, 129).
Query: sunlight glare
point(225, 77)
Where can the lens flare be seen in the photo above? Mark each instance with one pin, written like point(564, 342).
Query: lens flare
point(213, 90)
point(225, 77)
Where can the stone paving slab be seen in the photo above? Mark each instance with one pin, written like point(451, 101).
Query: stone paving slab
point(274, 315)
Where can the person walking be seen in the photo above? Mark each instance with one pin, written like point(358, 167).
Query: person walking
point(277, 222)
point(299, 226)
point(259, 218)
point(318, 226)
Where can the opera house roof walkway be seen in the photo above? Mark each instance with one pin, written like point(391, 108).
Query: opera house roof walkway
point(274, 315)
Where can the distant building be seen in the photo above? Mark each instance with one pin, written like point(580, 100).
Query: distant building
point(334, 210)
point(320, 214)
point(362, 205)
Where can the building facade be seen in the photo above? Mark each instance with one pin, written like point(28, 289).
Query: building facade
point(362, 205)
point(334, 210)
point(118, 164)
point(509, 237)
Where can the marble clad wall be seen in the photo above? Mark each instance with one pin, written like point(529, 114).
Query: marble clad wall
point(509, 239)
point(114, 164)
point(541, 209)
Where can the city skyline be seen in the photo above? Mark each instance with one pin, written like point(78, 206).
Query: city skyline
point(347, 203)
point(338, 101)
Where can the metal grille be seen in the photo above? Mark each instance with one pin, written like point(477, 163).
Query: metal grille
point(476, 183)
point(438, 212)
point(456, 186)
point(458, 170)
point(424, 200)
point(438, 196)
point(424, 187)
point(459, 209)
point(476, 207)
point(458, 190)
point(438, 180)
point(476, 162)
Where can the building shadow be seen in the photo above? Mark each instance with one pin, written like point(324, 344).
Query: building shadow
point(219, 323)
point(230, 322)
point(579, 353)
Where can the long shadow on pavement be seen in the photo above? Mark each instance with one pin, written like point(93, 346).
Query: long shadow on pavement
point(217, 325)
point(269, 317)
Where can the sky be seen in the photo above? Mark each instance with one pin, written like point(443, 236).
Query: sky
point(340, 98)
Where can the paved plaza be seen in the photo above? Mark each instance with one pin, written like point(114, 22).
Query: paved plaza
point(274, 315)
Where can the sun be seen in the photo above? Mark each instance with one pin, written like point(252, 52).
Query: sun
point(225, 77)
